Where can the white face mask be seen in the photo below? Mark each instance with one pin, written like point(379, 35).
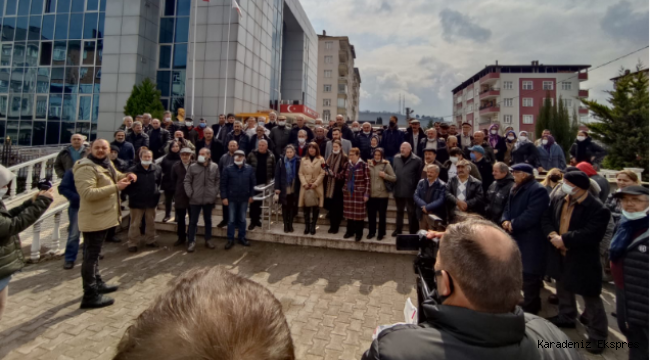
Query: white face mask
point(493, 132)
point(302, 140)
point(511, 138)
point(356, 129)
point(522, 138)
point(282, 123)
point(239, 162)
point(261, 123)
point(145, 162)
point(634, 215)
point(568, 189)
point(544, 142)
point(336, 151)
point(189, 123)
point(580, 138)
point(3, 191)
point(367, 132)
point(200, 159)
point(168, 119)
point(453, 159)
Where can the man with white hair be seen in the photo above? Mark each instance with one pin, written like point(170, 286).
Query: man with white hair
point(318, 122)
point(272, 121)
point(68, 156)
point(300, 125)
point(362, 141)
point(260, 134)
point(280, 136)
point(408, 169)
point(146, 122)
point(346, 133)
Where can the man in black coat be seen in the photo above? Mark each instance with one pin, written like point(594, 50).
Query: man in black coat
point(431, 158)
point(158, 139)
point(237, 134)
point(414, 135)
point(522, 216)
point(477, 153)
point(209, 141)
point(346, 133)
point(465, 192)
point(144, 195)
point(497, 194)
point(300, 125)
point(362, 141)
point(431, 140)
point(221, 122)
point(137, 138)
point(575, 225)
point(407, 170)
point(181, 200)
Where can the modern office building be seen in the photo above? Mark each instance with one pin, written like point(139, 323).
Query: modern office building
point(511, 95)
point(69, 66)
point(338, 80)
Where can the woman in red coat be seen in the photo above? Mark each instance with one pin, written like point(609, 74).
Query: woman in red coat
point(355, 194)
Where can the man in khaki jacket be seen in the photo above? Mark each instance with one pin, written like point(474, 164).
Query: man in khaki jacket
point(99, 186)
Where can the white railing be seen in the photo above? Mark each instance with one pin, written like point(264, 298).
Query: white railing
point(29, 166)
point(35, 253)
point(266, 197)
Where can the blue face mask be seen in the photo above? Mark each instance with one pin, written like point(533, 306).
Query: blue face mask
point(472, 156)
point(202, 125)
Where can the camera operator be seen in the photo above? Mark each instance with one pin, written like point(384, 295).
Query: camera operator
point(478, 272)
point(12, 223)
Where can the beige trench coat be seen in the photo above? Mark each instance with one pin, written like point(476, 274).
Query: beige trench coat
point(311, 172)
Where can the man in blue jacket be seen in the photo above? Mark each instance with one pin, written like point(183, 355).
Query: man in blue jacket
point(429, 197)
point(392, 139)
point(237, 189)
point(522, 218)
point(68, 189)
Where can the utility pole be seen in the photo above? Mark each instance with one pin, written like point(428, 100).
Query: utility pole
point(408, 114)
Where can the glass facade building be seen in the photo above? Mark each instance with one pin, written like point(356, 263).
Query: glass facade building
point(50, 69)
point(173, 52)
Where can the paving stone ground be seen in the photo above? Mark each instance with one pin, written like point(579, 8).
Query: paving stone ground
point(333, 299)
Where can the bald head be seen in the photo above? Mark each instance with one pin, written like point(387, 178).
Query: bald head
point(484, 263)
point(405, 149)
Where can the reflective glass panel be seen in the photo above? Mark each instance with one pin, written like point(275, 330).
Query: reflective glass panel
point(52, 135)
point(180, 56)
point(14, 106)
point(3, 106)
point(54, 109)
point(30, 80)
point(88, 53)
point(166, 30)
point(170, 6)
point(163, 82)
point(182, 29)
point(86, 75)
point(38, 136)
point(59, 53)
point(37, 7)
point(56, 80)
point(74, 52)
point(8, 28)
point(22, 23)
point(90, 26)
point(92, 5)
point(98, 79)
point(31, 54)
point(19, 54)
point(183, 7)
point(67, 130)
point(23, 7)
point(34, 28)
point(47, 31)
point(165, 57)
point(50, 6)
point(12, 131)
point(78, 5)
point(5, 57)
point(43, 81)
point(46, 53)
point(41, 107)
point(178, 83)
point(25, 136)
point(63, 6)
point(71, 80)
point(76, 26)
point(61, 27)
point(95, 108)
point(69, 108)
point(12, 6)
point(16, 85)
point(100, 25)
point(84, 107)
point(4, 80)
point(99, 52)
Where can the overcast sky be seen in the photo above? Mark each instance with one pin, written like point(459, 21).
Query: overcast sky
point(424, 48)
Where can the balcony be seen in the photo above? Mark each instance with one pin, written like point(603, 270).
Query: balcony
point(583, 111)
point(459, 105)
point(489, 109)
point(583, 76)
point(583, 93)
point(490, 78)
point(489, 94)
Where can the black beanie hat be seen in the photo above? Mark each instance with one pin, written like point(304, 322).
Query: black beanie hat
point(578, 178)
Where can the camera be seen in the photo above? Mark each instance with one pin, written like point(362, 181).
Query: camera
point(44, 185)
point(423, 264)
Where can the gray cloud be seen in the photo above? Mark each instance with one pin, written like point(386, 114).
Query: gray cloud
point(622, 22)
point(456, 25)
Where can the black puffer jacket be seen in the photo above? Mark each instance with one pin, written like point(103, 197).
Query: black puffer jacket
point(526, 153)
point(635, 277)
point(138, 141)
point(167, 166)
point(457, 333)
point(145, 192)
point(497, 197)
point(181, 200)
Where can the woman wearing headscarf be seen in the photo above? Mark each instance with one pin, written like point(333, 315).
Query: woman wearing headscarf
point(525, 151)
point(374, 145)
point(496, 142)
point(551, 154)
point(287, 185)
point(380, 171)
point(356, 194)
point(12, 223)
point(510, 140)
point(336, 166)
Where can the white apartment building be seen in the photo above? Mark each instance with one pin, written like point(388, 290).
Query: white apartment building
point(338, 80)
point(512, 95)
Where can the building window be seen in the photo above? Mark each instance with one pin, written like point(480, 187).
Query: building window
point(328, 59)
point(547, 85)
point(527, 85)
point(327, 102)
point(507, 85)
point(342, 103)
point(507, 119)
point(527, 102)
point(507, 102)
point(326, 115)
point(470, 108)
point(328, 73)
point(567, 103)
point(528, 119)
point(343, 89)
point(327, 88)
point(173, 49)
point(328, 45)
point(566, 85)
point(476, 91)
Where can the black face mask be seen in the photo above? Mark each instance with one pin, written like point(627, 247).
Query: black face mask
point(435, 295)
point(555, 178)
point(392, 124)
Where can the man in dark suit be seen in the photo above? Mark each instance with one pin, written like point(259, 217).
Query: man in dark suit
point(414, 135)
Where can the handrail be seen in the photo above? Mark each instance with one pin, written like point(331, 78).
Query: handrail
point(267, 193)
point(32, 162)
point(36, 240)
point(29, 165)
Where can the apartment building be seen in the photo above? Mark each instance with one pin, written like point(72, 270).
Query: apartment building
point(339, 81)
point(512, 95)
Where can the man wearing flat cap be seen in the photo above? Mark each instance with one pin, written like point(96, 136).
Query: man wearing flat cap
point(521, 218)
point(237, 189)
point(628, 253)
point(477, 153)
point(574, 225)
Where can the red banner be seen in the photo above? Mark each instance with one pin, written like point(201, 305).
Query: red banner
point(299, 109)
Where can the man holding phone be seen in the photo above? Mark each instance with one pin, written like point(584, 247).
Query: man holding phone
point(99, 186)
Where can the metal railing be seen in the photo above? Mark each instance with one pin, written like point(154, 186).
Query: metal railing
point(35, 253)
point(27, 170)
point(266, 197)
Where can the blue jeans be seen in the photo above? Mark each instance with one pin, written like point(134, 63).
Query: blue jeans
point(237, 219)
point(195, 211)
point(72, 246)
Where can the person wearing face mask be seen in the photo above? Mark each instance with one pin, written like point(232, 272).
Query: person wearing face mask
point(237, 134)
point(287, 186)
point(337, 165)
point(237, 191)
point(628, 254)
point(181, 200)
point(585, 149)
point(477, 153)
point(525, 151)
point(261, 121)
point(12, 223)
point(199, 129)
point(144, 195)
point(300, 125)
point(167, 122)
point(624, 178)
point(456, 155)
point(510, 140)
point(497, 143)
point(190, 133)
point(521, 217)
point(356, 128)
point(550, 154)
point(575, 225)
point(202, 188)
point(272, 121)
point(301, 144)
point(126, 150)
point(391, 139)
point(280, 136)
point(336, 135)
point(465, 318)
point(320, 139)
